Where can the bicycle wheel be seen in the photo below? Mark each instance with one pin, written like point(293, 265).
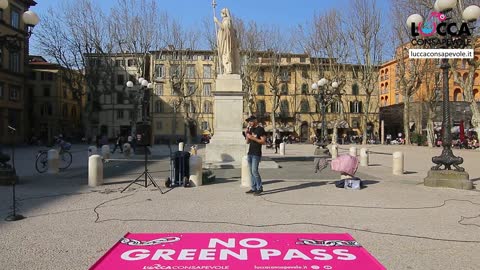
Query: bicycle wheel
point(41, 164)
point(65, 160)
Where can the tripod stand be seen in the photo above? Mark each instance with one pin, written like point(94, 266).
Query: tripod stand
point(146, 176)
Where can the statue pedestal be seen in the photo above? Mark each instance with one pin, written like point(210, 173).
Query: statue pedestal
point(448, 178)
point(227, 146)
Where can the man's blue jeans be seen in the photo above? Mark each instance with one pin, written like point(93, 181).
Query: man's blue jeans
point(253, 162)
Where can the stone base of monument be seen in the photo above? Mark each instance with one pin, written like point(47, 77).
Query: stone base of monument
point(8, 176)
point(220, 154)
point(448, 178)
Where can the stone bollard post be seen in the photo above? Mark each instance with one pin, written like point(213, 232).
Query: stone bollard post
point(398, 160)
point(282, 149)
point(92, 150)
point(106, 152)
point(181, 146)
point(334, 151)
point(364, 157)
point(196, 171)
point(353, 151)
point(95, 171)
point(127, 150)
point(53, 162)
point(246, 179)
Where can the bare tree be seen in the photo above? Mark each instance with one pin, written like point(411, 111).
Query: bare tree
point(184, 78)
point(423, 7)
point(431, 81)
point(279, 71)
point(251, 38)
point(329, 52)
point(138, 27)
point(409, 72)
point(467, 81)
point(365, 30)
point(69, 35)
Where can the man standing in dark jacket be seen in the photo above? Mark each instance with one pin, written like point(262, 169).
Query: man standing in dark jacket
point(256, 137)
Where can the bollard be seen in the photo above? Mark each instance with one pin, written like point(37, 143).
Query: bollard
point(334, 151)
point(246, 178)
point(92, 150)
point(127, 150)
point(363, 157)
point(181, 146)
point(398, 160)
point(106, 152)
point(353, 151)
point(196, 170)
point(53, 162)
point(95, 171)
point(282, 149)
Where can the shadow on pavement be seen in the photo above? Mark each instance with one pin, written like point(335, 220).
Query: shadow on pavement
point(272, 182)
point(295, 187)
point(220, 181)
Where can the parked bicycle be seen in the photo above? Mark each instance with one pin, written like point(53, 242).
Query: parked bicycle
point(64, 156)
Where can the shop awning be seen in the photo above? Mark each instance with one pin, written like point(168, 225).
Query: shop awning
point(331, 124)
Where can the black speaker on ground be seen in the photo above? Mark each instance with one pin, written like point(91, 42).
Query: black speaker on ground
point(144, 134)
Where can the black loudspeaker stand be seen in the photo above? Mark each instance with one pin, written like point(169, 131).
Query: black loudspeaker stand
point(146, 176)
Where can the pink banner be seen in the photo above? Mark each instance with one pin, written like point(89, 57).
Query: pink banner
point(237, 251)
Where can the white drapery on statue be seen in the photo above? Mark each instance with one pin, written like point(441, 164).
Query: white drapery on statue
point(228, 45)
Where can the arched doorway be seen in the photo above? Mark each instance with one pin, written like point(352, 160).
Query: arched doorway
point(304, 132)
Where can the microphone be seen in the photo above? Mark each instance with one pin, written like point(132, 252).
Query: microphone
point(12, 128)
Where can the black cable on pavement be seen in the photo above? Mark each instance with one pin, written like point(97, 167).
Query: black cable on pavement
point(97, 220)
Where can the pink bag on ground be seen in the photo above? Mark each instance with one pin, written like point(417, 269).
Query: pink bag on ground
point(345, 164)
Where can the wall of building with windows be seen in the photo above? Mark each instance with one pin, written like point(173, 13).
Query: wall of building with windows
point(13, 92)
point(53, 108)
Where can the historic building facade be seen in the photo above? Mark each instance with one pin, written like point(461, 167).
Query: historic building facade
point(427, 94)
point(13, 64)
point(181, 101)
point(53, 108)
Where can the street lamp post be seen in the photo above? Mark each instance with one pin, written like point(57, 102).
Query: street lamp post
point(447, 177)
point(324, 94)
point(142, 97)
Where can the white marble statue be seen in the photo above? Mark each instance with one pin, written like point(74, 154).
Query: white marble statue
point(228, 45)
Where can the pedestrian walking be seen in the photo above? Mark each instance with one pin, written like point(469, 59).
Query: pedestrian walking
point(118, 143)
point(278, 141)
point(131, 141)
point(256, 137)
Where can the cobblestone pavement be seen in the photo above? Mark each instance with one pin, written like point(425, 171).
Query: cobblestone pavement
point(399, 221)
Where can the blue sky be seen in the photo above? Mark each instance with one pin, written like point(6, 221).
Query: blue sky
point(284, 13)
